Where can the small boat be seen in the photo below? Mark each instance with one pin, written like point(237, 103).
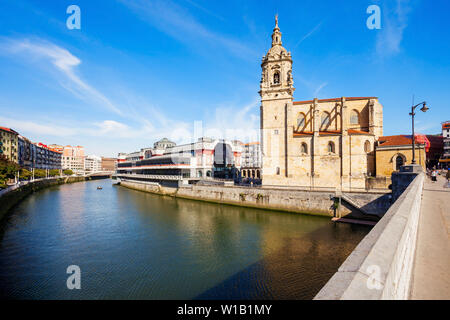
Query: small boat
point(99, 188)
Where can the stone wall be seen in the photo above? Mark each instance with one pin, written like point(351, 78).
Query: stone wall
point(381, 183)
point(10, 198)
point(310, 202)
point(386, 158)
point(353, 159)
point(381, 265)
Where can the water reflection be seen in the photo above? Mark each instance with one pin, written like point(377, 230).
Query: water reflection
point(134, 245)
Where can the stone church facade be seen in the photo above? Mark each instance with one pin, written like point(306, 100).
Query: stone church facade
point(327, 143)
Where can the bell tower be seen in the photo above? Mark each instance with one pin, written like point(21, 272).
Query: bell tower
point(276, 91)
point(276, 79)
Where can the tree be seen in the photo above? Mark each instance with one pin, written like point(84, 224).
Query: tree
point(39, 173)
point(8, 169)
point(25, 174)
point(68, 172)
point(54, 173)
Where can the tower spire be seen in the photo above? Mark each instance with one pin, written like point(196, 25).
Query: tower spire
point(276, 35)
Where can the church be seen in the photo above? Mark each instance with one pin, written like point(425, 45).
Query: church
point(319, 143)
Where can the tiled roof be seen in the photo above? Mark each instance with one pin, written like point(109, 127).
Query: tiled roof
point(354, 131)
point(335, 100)
point(8, 130)
point(399, 140)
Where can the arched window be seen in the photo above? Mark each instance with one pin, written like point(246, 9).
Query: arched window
point(304, 148)
point(199, 174)
point(325, 119)
point(300, 121)
point(276, 78)
point(331, 147)
point(354, 117)
point(399, 161)
point(367, 147)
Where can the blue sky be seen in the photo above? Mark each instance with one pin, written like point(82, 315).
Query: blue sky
point(140, 70)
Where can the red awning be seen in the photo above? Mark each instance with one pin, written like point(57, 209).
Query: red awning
point(422, 139)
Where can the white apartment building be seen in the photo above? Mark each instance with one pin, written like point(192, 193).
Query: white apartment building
point(73, 159)
point(251, 155)
point(92, 163)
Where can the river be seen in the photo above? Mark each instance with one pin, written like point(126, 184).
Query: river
point(134, 245)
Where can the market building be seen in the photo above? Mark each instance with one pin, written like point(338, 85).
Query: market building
point(172, 164)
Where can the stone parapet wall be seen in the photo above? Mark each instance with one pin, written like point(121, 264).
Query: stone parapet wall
point(310, 202)
point(10, 197)
point(381, 265)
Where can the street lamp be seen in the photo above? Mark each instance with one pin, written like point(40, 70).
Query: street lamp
point(412, 114)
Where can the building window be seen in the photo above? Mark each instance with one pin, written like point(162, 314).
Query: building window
point(399, 161)
point(325, 120)
point(275, 131)
point(354, 117)
point(278, 170)
point(300, 122)
point(331, 147)
point(276, 78)
point(304, 148)
point(367, 147)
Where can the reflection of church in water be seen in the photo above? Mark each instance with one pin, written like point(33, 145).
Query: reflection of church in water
point(174, 165)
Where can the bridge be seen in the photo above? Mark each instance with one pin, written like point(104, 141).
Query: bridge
point(406, 255)
point(100, 174)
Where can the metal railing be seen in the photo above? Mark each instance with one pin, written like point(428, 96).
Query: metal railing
point(149, 176)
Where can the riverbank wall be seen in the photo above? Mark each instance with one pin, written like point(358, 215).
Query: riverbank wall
point(307, 202)
point(11, 196)
point(381, 265)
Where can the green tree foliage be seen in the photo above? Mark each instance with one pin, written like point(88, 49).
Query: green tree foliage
point(54, 173)
point(25, 174)
point(8, 170)
point(68, 172)
point(39, 173)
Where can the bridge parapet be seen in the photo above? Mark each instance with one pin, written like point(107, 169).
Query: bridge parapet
point(381, 265)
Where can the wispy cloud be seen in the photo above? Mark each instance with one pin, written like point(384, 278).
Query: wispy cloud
point(177, 22)
point(320, 87)
point(203, 9)
point(61, 60)
point(234, 122)
point(310, 33)
point(31, 127)
point(426, 126)
point(395, 22)
point(136, 122)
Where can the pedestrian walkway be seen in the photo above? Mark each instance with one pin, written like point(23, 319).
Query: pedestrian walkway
point(431, 273)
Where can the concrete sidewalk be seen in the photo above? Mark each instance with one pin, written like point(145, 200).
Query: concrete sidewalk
point(431, 273)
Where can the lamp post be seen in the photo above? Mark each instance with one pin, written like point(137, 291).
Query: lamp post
point(412, 114)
